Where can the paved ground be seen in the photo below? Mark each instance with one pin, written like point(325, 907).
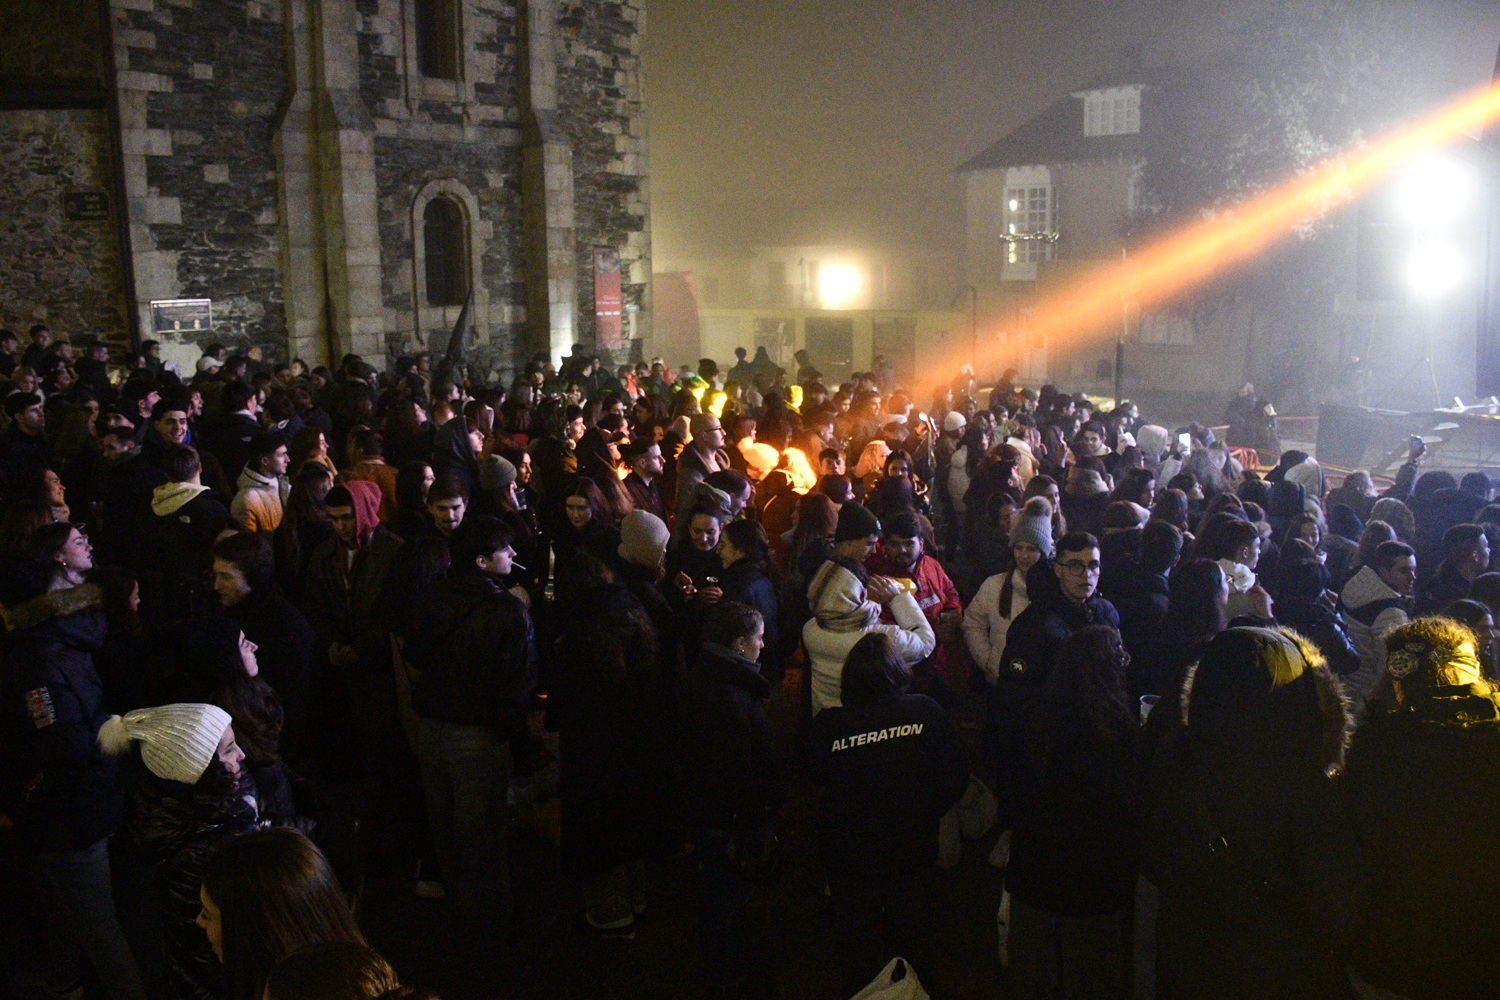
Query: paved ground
point(550, 959)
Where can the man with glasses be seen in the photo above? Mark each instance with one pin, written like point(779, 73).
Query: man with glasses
point(1062, 601)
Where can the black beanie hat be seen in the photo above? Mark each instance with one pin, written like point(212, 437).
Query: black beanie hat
point(855, 521)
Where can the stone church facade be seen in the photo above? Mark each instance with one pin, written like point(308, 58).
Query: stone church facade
point(336, 176)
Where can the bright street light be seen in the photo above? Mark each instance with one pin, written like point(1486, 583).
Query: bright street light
point(1434, 268)
point(838, 284)
point(1433, 193)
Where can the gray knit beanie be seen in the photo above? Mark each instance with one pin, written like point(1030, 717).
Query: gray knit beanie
point(643, 538)
point(496, 473)
point(1035, 526)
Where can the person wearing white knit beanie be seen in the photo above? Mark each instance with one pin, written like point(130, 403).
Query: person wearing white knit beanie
point(178, 742)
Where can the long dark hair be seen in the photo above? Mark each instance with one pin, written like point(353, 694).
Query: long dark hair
point(340, 970)
point(1193, 610)
point(276, 895)
point(582, 486)
point(1087, 687)
point(750, 538)
point(873, 672)
point(304, 525)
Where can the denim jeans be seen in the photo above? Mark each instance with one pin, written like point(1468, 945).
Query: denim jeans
point(466, 773)
point(722, 893)
point(82, 894)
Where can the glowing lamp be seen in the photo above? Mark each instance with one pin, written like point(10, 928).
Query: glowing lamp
point(1434, 192)
point(1434, 269)
point(838, 284)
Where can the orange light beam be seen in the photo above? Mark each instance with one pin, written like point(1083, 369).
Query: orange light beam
point(1195, 253)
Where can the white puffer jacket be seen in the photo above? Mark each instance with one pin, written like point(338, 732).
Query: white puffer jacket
point(985, 627)
point(912, 636)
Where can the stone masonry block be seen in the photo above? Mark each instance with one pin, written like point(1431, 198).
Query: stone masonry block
point(156, 211)
point(202, 71)
point(148, 6)
point(134, 80)
point(135, 39)
point(216, 173)
point(146, 142)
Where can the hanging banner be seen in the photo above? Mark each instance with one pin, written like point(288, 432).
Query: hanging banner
point(608, 299)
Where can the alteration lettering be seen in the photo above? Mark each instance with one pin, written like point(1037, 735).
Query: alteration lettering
point(875, 736)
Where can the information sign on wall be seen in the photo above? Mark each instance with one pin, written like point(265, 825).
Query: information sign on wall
point(182, 315)
point(607, 299)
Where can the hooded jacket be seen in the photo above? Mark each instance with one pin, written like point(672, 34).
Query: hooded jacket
point(258, 504)
point(1372, 610)
point(1247, 839)
point(1423, 787)
point(827, 647)
point(341, 597)
point(175, 546)
point(471, 642)
point(69, 790)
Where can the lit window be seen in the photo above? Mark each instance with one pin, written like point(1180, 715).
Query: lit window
point(1112, 112)
point(1029, 211)
point(445, 246)
point(437, 38)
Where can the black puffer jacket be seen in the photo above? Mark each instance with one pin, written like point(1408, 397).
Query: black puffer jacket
point(472, 643)
point(69, 790)
point(1423, 786)
point(173, 828)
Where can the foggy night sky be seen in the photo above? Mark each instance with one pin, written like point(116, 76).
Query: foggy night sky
point(842, 121)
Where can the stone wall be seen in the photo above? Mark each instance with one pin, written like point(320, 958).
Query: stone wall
point(53, 270)
point(455, 139)
point(201, 82)
point(602, 101)
point(275, 156)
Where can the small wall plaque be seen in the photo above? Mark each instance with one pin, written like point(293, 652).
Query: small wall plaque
point(85, 206)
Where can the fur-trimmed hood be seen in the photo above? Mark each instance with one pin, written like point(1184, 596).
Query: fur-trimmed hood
point(54, 604)
point(1265, 690)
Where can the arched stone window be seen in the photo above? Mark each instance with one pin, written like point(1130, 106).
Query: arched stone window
point(445, 246)
point(437, 31)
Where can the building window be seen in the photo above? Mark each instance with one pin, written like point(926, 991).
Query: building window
point(445, 246)
point(437, 38)
point(1116, 111)
point(1028, 211)
point(776, 290)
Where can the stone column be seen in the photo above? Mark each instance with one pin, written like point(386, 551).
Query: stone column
point(546, 189)
point(303, 251)
point(326, 149)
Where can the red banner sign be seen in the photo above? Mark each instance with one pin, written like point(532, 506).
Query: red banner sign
point(608, 300)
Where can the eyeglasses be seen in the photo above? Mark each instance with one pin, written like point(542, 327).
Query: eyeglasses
point(1079, 568)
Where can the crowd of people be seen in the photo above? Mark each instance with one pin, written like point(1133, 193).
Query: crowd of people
point(272, 628)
